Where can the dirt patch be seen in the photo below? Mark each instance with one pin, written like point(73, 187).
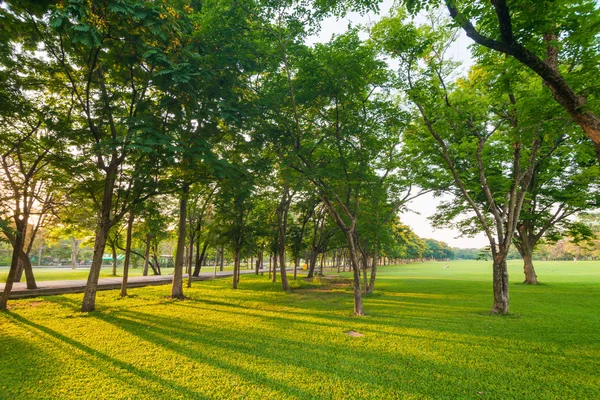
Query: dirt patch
point(354, 334)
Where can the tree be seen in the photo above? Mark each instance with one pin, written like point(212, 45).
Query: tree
point(557, 40)
point(485, 148)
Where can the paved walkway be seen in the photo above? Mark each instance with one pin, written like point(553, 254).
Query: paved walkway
point(47, 288)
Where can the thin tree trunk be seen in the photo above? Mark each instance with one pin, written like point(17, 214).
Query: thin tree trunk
point(373, 273)
point(222, 258)
point(296, 262)
point(147, 255)
point(236, 266)
point(274, 267)
point(114, 257)
point(177, 286)
point(127, 253)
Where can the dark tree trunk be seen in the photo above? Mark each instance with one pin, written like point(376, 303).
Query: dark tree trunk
point(200, 258)
point(500, 284)
point(282, 218)
point(236, 268)
point(11, 272)
point(296, 262)
point(127, 253)
point(89, 296)
point(222, 258)
point(177, 286)
point(374, 263)
point(147, 255)
point(156, 266)
point(25, 261)
point(259, 260)
point(274, 267)
point(114, 257)
point(312, 264)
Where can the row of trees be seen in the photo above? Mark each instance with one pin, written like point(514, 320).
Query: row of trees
point(111, 111)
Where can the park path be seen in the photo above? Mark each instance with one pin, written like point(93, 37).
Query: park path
point(48, 288)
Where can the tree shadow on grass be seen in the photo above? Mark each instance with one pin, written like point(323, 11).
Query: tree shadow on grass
point(95, 356)
point(343, 362)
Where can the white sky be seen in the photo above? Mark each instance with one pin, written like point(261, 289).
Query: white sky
point(425, 205)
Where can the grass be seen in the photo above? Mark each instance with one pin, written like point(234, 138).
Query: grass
point(427, 335)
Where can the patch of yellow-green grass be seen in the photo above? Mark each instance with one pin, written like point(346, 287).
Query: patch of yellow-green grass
point(426, 335)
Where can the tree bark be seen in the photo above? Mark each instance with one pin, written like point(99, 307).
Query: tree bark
point(222, 258)
point(296, 262)
point(147, 255)
point(114, 257)
point(282, 218)
point(236, 267)
point(127, 253)
point(274, 268)
point(11, 272)
point(312, 264)
point(74, 252)
point(177, 286)
point(200, 258)
point(89, 295)
point(500, 285)
point(374, 264)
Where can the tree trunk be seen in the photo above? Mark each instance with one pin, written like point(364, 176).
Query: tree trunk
point(200, 258)
point(19, 273)
point(177, 286)
point(355, 264)
point(11, 272)
point(274, 267)
point(374, 263)
point(312, 264)
point(127, 253)
point(26, 263)
point(236, 267)
point(296, 262)
point(530, 276)
point(74, 252)
point(282, 217)
point(500, 284)
point(114, 257)
point(222, 258)
point(259, 260)
point(321, 264)
point(89, 296)
point(147, 255)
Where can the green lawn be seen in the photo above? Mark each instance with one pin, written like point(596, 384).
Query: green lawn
point(427, 335)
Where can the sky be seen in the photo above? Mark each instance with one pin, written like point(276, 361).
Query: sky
point(423, 206)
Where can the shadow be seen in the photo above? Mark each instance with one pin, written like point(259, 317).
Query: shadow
point(97, 358)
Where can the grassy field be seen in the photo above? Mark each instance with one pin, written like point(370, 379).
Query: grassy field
point(427, 335)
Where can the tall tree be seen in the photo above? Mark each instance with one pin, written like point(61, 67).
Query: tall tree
point(558, 40)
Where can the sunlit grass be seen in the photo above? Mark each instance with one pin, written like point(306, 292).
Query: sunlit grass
point(427, 335)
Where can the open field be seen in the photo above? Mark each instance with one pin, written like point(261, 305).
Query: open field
point(427, 335)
